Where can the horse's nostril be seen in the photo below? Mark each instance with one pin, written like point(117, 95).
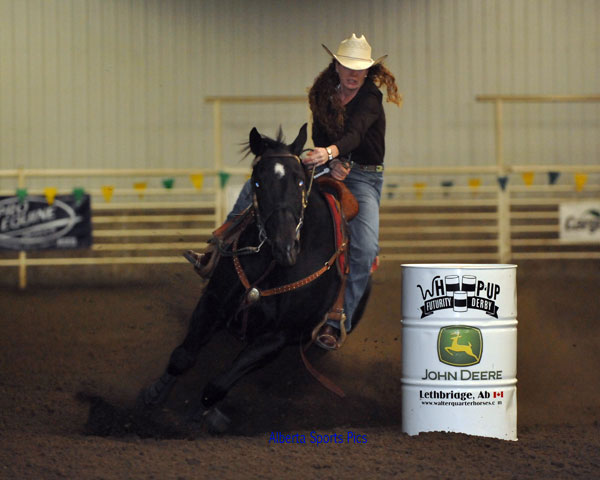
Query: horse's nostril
point(286, 255)
point(291, 257)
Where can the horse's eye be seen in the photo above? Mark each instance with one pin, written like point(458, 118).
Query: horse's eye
point(300, 183)
point(257, 184)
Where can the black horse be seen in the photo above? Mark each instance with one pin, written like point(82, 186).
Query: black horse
point(293, 231)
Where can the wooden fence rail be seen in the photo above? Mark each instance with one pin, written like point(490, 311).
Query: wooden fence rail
point(433, 224)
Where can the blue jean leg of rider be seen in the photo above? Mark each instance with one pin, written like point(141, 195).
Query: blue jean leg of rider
point(243, 201)
point(364, 236)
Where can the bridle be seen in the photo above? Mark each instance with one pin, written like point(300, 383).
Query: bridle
point(252, 293)
point(261, 222)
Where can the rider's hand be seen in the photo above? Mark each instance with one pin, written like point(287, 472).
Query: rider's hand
point(338, 170)
point(318, 156)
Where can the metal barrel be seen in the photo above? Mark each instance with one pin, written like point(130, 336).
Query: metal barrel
point(459, 349)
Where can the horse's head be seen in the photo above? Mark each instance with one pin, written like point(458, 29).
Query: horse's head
point(279, 185)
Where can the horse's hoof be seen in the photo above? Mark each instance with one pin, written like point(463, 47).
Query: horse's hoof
point(157, 393)
point(216, 421)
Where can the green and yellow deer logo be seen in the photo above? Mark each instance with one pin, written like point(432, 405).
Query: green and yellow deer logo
point(459, 345)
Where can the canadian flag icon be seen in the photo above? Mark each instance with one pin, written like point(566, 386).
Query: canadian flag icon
point(498, 394)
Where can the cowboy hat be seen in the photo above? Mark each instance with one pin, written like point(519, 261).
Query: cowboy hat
point(354, 53)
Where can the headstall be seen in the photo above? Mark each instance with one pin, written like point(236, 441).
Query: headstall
point(253, 294)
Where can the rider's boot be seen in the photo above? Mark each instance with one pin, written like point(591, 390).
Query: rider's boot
point(332, 333)
point(204, 262)
point(326, 335)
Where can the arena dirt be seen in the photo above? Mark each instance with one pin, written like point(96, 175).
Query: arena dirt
point(76, 350)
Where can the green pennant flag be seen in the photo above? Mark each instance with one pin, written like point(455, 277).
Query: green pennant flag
point(391, 192)
point(224, 178)
point(168, 183)
point(553, 177)
point(78, 193)
point(21, 194)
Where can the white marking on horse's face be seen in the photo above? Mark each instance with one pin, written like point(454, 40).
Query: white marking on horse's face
point(279, 170)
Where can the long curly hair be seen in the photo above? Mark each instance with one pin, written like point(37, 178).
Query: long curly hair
point(326, 105)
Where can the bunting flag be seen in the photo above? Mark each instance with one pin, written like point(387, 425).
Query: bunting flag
point(503, 181)
point(50, 193)
point(553, 177)
point(107, 192)
point(197, 180)
point(447, 184)
point(140, 187)
point(168, 183)
point(78, 193)
point(580, 181)
point(21, 194)
point(528, 178)
point(474, 183)
point(419, 187)
point(391, 187)
point(224, 178)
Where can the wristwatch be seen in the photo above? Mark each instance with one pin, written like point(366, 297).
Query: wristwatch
point(329, 153)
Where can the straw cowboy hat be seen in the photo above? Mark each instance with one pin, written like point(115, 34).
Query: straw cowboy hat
point(354, 53)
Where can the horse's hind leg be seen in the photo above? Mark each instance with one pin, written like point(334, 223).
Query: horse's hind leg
point(262, 350)
point(202, 326)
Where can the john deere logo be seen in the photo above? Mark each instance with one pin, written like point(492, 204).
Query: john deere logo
point(460, 346)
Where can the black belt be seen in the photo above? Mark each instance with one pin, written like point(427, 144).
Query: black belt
point(368, 168)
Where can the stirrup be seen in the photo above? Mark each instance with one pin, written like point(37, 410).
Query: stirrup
point(327, 338)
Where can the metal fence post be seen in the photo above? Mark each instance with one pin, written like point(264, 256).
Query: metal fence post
point(504, 248)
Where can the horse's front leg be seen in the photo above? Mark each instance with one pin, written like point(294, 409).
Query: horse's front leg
point(201, 328)
point(261, 351)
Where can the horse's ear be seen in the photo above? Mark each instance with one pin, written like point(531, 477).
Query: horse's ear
point(298, 145)
point(257, 146)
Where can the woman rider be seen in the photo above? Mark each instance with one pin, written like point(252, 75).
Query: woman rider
point(348, 131)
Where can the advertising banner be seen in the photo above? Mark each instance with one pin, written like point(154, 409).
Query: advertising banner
point(31, 223)
point(580, 222)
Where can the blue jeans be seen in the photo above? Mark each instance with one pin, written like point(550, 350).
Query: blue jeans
point(243, 201)
point(364, 236)
point(364, 233)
